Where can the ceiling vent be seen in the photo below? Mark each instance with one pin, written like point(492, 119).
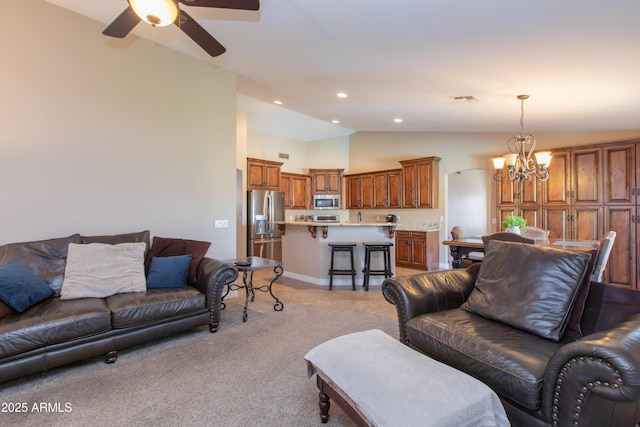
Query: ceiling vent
point(469, 98)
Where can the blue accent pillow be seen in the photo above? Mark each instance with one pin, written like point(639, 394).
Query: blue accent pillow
point(20, 288)
point(169, 272)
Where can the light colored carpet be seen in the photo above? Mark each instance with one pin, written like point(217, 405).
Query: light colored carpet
point(246, 374)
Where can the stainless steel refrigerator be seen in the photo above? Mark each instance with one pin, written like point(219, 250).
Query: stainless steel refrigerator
point(264, 239)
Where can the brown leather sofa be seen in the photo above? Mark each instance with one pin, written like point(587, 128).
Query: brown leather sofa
point(56, 332)
point(588, 376)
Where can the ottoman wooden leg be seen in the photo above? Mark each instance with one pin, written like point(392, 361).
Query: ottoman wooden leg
point(324, 404)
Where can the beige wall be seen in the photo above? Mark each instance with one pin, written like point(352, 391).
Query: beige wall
point(108, 136)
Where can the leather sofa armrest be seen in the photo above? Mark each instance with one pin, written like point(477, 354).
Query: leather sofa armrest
point(213, 276)
point(426, 293)
point(605, 364)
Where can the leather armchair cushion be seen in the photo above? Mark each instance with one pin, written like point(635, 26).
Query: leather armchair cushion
point(509, 360)
point(529, 287)
point(154, 305)
point(52, 322)
point(45, 258)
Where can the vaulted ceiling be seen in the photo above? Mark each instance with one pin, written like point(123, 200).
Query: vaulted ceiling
point(578, 61)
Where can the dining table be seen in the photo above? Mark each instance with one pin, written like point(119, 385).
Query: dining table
point(460, 248)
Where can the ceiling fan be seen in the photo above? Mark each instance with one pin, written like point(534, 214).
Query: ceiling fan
point(164, 12)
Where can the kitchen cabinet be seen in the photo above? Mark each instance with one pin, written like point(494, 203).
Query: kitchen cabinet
point(420, 181)
point(326, 181)
point(417, 249)
point(360, 191)
point(263, 174)
point(387, 189)
point(297, 190)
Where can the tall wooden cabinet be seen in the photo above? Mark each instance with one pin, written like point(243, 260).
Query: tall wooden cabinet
point(622, 195)
point(572, 205)
point(297, 190)
point(263, 174)
point(590, 191)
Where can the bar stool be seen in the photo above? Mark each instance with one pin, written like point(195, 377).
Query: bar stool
point(342, 247)
point(370, 247)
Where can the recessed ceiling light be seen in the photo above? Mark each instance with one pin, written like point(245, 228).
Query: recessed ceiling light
point(335, 122)
point(398, 120)
point(341, 95)
point(278, 102)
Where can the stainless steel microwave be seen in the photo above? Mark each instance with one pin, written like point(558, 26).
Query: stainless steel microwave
point(326, 201)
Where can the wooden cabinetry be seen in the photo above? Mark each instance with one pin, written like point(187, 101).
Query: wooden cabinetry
point(416, 249)
point(387, 189)
point(263, 174)
point(573, 204)
point(360, 191)
point(326, 181)
point(297, 190)
point(374, 190)
point(621, 166)
point(420, 180)
point(519, 198)
point(590, 191)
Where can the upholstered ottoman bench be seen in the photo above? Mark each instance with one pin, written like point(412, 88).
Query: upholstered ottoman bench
point(379, 381)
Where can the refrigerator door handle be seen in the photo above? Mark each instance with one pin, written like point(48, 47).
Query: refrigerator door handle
point(271, 213)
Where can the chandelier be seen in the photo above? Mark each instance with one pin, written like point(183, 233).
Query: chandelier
point(522, 162)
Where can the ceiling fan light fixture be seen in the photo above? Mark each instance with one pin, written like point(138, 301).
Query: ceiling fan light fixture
point(158, 13)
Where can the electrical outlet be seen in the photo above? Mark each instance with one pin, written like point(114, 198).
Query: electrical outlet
point(221, 223)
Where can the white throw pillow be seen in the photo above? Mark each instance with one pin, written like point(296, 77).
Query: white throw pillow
point(98, 270)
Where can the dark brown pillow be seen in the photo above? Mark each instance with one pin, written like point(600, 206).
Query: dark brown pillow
point(474, 269)
point(163, 247)
point(574, 331)
point(529, 287)
point(5, 310)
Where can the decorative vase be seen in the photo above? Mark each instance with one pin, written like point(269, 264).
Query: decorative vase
point(515, 229)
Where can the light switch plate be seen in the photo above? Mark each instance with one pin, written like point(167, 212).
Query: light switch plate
point(221, 223)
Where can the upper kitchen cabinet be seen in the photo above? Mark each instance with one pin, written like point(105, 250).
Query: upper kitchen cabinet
point(420, 180)
point(297, 190)
point(326, 181)
point(360, 191)
point(387, 189)
point(263, 174)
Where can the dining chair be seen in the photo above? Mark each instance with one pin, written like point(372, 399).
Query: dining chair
point(477, 256)
point(603, 256)
point(507, 236)
point(536, 233)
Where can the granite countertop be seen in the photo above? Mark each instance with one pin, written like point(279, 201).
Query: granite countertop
point(398, 226)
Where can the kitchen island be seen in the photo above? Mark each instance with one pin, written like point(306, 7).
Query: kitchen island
point(306, 254)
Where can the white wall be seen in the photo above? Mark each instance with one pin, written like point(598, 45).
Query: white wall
point(102, 136)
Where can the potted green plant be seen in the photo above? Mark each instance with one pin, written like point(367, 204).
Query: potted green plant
point(513, 223)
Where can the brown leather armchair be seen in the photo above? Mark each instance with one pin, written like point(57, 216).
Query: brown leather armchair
point(591, 381)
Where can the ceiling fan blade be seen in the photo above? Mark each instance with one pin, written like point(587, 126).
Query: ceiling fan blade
point(199, 34)
point(123, 24)
point(225, 4)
